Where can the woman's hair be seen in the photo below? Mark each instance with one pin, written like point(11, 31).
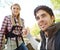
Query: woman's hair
point(18, 17)
point(16, 5)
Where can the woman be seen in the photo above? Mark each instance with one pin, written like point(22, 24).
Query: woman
point(9, 23)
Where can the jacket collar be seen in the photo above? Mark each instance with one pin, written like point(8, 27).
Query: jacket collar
point(53, 29)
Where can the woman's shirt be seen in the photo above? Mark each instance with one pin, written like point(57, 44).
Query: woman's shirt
point(6, 27)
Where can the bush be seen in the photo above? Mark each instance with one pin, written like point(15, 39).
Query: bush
point(35, 30)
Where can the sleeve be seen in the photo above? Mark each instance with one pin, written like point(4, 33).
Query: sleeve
point(2, 31)
point(34, 43)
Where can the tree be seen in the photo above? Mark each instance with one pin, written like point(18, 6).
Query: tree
point(57, 20)
point(56, 4)
point(35, 30)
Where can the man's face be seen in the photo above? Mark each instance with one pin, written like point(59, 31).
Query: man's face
point(44, 20)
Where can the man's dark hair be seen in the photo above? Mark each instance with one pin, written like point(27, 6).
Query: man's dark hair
point(45, 8)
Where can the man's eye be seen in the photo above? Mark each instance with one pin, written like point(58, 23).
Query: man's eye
point(37, 18)
point(43, 15)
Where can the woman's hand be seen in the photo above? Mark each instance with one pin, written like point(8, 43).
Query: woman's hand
point(16, 32)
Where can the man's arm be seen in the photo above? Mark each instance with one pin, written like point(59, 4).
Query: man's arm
point(34, 43)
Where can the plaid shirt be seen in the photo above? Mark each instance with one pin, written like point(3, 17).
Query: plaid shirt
point(6, 25)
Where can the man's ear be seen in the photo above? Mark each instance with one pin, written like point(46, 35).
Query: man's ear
point(53, 18)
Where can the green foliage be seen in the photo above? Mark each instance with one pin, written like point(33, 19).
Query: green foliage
point(57, 20)
point(35, 30)
point(56, 4)
point(57, 15)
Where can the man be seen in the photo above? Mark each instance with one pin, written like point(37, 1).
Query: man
point(50, 31)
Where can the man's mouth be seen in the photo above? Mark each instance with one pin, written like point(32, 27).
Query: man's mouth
point(42, 26)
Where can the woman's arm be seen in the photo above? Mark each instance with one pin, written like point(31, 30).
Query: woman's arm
point(2, 31)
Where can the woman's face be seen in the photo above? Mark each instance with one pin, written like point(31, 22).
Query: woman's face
point(15, 10)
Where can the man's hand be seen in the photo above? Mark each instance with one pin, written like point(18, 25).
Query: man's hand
point(26, 31)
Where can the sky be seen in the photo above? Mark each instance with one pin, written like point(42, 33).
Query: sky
point(27, 9)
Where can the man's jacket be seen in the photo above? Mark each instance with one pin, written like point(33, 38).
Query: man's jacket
point(53, 38)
